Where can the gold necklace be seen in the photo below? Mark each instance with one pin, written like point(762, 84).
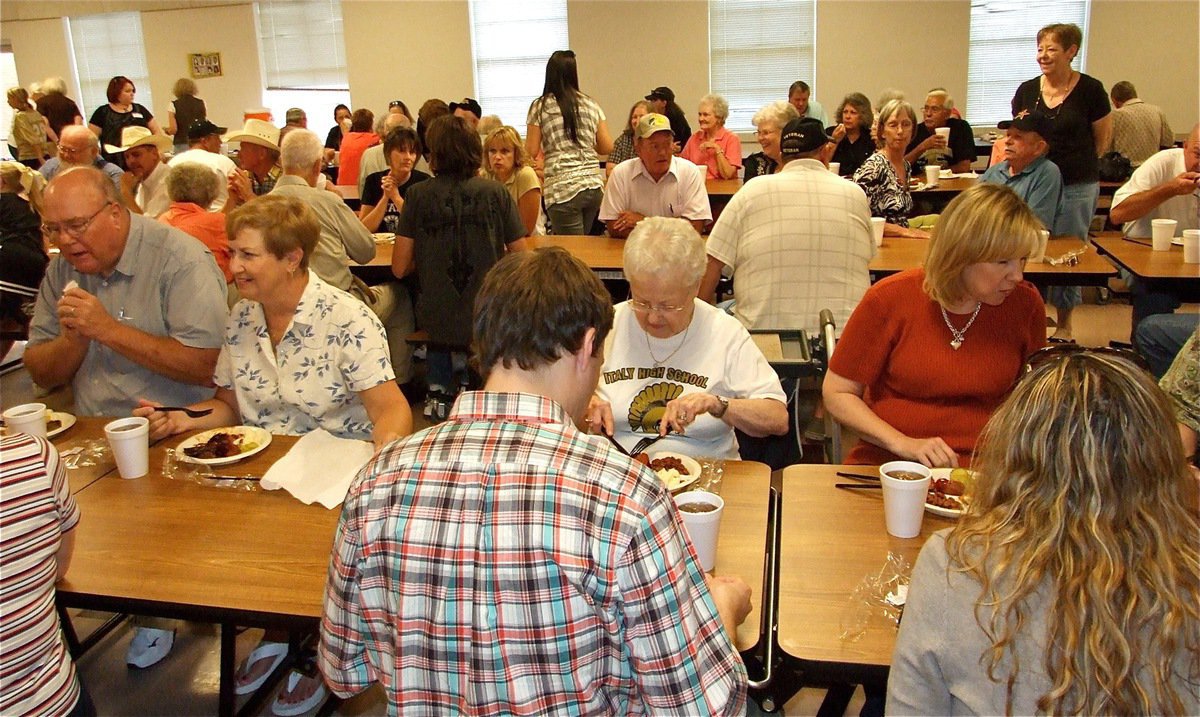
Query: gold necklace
point(659, 362)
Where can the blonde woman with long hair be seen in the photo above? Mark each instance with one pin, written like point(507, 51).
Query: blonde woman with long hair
point(1072, 584)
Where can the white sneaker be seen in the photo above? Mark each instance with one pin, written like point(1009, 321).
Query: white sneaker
point(149, 645)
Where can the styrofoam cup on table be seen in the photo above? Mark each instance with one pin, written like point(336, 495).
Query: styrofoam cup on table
point(835, 167)
point(904, 500)
point(27, 418)
point(1162, 231)
point(932, 174)
point(944, 133)
point(877, 224)
point(1191, 246)
point(703, 528)
point(1038, 254)
point(130, 442)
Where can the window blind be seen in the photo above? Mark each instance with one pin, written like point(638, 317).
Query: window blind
point(757, 49)
point(104, 46)
point(302, 44)
point(1003, 50)
point(510, 43)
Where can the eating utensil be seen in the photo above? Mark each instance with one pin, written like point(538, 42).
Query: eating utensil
point(191, 412)
point(642, 445)
point(248, 478)
point(851, 486)
point(859, 476)
point(615, 443)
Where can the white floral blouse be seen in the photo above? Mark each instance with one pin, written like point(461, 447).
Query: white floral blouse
point(334, 348)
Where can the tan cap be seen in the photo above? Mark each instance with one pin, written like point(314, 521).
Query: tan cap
point(137, 137)
point(652, 123)
point(258, 132)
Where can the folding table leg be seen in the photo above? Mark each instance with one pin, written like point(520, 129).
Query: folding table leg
point(227, 699)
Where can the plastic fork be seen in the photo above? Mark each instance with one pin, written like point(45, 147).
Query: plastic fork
point(191, 412)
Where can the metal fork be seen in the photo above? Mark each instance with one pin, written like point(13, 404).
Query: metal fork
point(642, 445)
point(191, 412)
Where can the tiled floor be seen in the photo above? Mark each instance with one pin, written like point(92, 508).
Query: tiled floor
point(186, 682)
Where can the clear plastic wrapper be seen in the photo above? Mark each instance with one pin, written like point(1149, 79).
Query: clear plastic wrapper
point(878, 599)
point(86, 454)
point(176, 468)
point(712, 473)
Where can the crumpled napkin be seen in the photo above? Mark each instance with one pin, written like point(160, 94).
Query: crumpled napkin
point(319, 468)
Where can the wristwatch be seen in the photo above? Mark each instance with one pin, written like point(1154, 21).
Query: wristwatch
point(724, 407)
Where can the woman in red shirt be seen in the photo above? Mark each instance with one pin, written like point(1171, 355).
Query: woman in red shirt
point(354, 143)
point(930, 353)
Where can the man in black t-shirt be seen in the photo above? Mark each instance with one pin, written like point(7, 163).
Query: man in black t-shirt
point(958, 153)
point(662, 101)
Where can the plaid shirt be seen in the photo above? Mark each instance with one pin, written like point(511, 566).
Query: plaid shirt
point(571, 167)
point(268, 182)
point(504, 563)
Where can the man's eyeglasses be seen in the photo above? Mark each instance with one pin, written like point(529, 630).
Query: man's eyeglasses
point(932, 108)
point(643, 308)
point(73, 228)
point(1054, 352)
point(72, 151)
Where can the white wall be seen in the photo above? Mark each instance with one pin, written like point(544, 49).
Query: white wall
point(415, 49)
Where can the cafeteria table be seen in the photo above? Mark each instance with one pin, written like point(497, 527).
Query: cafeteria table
point(900, 253)
point(181, 550)
point(1164, 269)
point(86, 428)
point(830, 540)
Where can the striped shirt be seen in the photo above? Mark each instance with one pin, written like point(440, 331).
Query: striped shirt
point(571, 167)
point(504, 563)
point(37, 676)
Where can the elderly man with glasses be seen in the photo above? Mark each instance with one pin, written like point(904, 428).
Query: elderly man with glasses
point(956, 152)
point(78, 147)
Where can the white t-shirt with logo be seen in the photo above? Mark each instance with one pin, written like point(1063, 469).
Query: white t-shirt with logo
point(716, 356)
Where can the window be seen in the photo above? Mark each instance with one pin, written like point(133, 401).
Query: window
point(102, 47)
point(303, 58)
point(758, 49)
point(1004, 50)
point(511, 43)
point(8, 78)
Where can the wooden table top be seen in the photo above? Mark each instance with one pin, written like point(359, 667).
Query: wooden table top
point(900, 253)
point(946, 186)
point(832, 539)
point(742, 544)
point(86, 428)
point(722, 187)
point(600, 253)
point(179, 543)
point(1141, 259)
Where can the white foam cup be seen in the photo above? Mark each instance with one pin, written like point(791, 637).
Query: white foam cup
point(1161, 233)
point(904, 500)
point(835, 167)
point(877, 224)
point(944, 133)
point(1191, 246)
point(932, 174)
point(702, 528)
point(130, 442)
point(1038, 254)
point(27, 418)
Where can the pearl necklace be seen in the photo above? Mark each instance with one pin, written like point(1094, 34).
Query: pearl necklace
point(959, 334)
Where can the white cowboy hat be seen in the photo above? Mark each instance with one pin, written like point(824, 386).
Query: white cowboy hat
point(139, 136)
point(257, 132)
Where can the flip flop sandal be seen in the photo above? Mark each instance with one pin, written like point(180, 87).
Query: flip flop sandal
point(275, 651)
point(308, 668)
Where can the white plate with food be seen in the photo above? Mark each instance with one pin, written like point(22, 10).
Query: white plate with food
point(1177, 241)
point(57, 422)
point(942, 502)
point(222, 446)
point(384, 237)
point(675, 470)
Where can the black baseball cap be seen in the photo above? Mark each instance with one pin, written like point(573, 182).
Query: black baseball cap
point(803, 135)
point(1028, 122)
point(203, 128)
point(469, 104)
point(661, 93)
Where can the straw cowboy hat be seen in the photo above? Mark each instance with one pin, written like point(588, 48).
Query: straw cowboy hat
point(257, 132)
point(140, 136)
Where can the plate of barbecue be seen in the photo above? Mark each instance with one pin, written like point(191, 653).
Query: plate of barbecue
point(222, 446)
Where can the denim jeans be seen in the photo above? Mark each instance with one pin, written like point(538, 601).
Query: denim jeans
point(576, 215)
point(1160, 337)
point(1075, 211)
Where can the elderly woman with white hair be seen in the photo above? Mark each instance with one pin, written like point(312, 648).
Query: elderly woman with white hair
point(769, 121)
point(676, 365)
point(713, 146)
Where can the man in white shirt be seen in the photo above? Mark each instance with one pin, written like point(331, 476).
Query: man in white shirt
point(656, 183)
point(204, 142)
point(797, 243)
point(144, 184)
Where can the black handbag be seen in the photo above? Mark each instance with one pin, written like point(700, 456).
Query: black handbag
point(1115, 167)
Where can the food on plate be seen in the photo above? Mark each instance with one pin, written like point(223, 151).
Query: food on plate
point(942, 500)
point(671, 471)
point(949, 492)
point(53, 424)
point(220, 445)
point(642, 458)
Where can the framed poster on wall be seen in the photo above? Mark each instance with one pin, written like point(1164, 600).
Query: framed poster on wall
point(205, 64)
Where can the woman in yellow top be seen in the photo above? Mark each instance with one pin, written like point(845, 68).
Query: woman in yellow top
point(29, 129)
point(506, 161)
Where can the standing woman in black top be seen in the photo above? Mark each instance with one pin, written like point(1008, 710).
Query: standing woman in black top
point(121, 111)
point(1077, 108)
point(186, 108)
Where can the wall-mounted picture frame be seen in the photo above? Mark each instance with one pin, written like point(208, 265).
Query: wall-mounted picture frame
point(205, 64)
